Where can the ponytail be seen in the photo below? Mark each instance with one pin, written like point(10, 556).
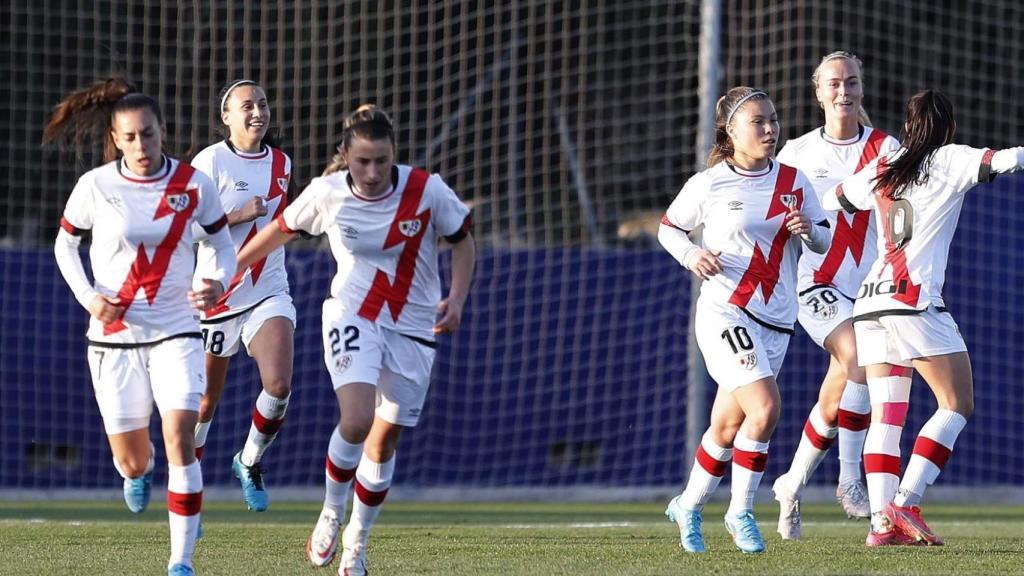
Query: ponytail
point(368, 122)
point(930, 125)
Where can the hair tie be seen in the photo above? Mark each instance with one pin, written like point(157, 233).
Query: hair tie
point(740, 102)
point(224, 100)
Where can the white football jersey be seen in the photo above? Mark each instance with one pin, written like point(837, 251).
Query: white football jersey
point(386, 247)
point(141, 249)
point(239, 178)
point(744, 219)
point(916, 231)
point(826, 162)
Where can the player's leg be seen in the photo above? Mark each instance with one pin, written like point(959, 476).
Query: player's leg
point(372, 483)
point(709, 466)
point(216, 376)
point(220, 342)
point(818, 434)
point(889, 387)
point(356, 401)
point(353, 357)
point(176, 372)
point(271, 346)
point(848, 394)
point(123, 394)
point(940, 357)
point(761, 406)
point(401, 394)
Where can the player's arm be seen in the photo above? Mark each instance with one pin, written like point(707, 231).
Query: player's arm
point(681, 218)
point(264, 242)
point(463, 262)
point(69, 262)
point(1003, 161)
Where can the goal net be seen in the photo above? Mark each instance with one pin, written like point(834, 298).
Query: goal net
point(568, 127)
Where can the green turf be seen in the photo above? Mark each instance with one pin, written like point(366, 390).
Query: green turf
point(482, 539)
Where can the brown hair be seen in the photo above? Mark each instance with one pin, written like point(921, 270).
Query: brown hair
point(88, 113)
point(862, 115)
point(930, 125)
point(368, 122)
point(726, 107)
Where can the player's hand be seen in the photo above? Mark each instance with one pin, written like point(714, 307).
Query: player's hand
point(206, 297)
point(705, 264)
point(798, 223)
point(450, 316)
point(252, 210)
point(104, 309)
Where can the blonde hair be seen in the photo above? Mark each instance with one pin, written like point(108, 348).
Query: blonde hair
point(368, 122)
point(862, 115)
point(726, 107)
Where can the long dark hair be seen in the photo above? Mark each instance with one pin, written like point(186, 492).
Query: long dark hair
point(725, 109)
point(87, 114)
point(270, 137)
point(368, 122)
point(930, 125)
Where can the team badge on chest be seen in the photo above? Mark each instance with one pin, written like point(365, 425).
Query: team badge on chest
point(410, 228)
point(178, 202)
point(282, 182)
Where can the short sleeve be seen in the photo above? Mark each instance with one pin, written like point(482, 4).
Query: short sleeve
point(687, 210)
point(307, 212)
point(79, 212)
point(210, 214)
point(962, 166)
point(450, 212)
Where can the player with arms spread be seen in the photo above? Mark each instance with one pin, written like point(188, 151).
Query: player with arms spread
point(900, 317)
point(144, 340)
point(384, 222)
point(756, 214)
point(827, 285)
point(252, 175)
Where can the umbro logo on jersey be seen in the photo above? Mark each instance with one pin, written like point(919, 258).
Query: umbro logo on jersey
point(114, 201)
point(735, 205)
point(350, 232)
point(178, 202)
point(409, 228)
point(241, 185)
point(821, 173)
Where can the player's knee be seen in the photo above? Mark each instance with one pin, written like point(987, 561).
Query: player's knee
point(132, 466)
point(764, 418)
point(278, 386)
point(355, 429)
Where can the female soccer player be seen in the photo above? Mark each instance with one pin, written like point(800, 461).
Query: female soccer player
point(755, 214)
point(827, 286)
point(252, 177)
point(384, 222)
point(144, 340)
point(900, 318)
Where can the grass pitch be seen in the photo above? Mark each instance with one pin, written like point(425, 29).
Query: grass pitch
point(501, 539)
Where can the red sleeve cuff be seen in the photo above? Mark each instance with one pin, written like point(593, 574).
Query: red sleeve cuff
point(282, 226)
point(71, 228)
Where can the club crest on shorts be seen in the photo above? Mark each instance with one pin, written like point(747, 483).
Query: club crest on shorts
point(341, 363)
point(178, 202)
point(748, 361)
point(409, 228)
point(826, 312)
point(282, 182)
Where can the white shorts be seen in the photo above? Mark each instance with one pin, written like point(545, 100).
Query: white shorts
point(128, 380)
point(821, 311)
point(357, 350)
point(737, 350)
point(900, 339)
point(221, 337)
